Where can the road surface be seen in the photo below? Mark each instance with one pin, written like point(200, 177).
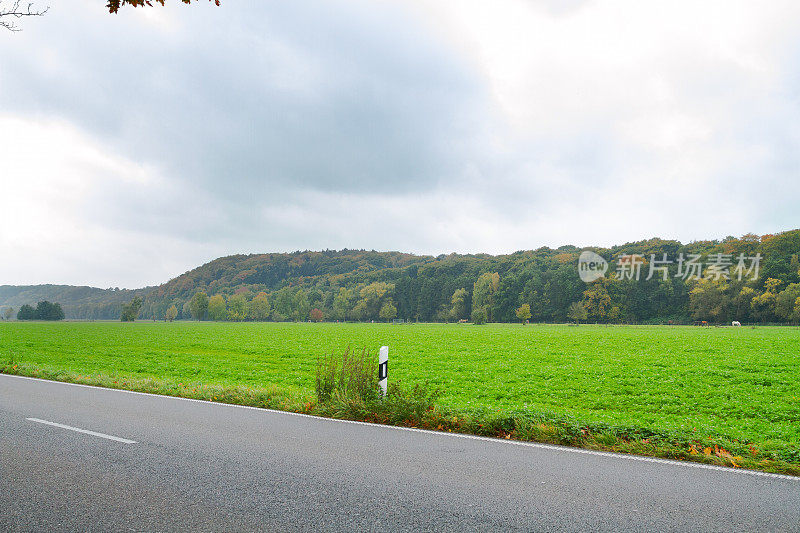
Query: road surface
point(84, 458)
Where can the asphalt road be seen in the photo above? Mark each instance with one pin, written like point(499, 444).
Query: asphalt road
point(202, 466)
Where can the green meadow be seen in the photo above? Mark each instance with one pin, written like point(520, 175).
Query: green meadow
point(741, 385)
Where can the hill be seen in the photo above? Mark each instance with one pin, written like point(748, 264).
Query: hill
point(370, 285)
point(86, 303)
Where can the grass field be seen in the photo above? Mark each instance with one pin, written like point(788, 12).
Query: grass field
point(735, 387)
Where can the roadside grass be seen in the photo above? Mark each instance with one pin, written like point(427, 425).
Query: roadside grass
point(713, 395)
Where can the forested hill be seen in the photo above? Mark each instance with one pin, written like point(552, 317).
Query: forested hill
point(77, 302)
point(271, 271)
point(369, 285)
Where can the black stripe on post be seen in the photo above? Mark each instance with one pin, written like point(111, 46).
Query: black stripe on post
point(383, 370)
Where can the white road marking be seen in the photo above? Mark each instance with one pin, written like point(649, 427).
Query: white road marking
point(554, 447)
point(86, 431)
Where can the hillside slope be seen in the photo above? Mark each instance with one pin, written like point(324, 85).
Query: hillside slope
point(370, 285)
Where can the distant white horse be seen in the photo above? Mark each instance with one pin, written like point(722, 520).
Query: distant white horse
point(736, 323)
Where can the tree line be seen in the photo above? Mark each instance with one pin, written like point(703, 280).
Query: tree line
point(541, 286)
point(359, 285)
point(370, 302)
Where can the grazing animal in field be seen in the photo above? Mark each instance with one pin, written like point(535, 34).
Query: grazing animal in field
point(736, 323)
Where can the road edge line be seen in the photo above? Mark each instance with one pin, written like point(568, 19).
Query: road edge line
point(531, 444)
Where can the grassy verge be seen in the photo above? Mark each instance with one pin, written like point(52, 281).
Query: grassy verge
point(417, 406)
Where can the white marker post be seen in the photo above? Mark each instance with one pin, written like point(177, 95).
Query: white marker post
point(383, 368)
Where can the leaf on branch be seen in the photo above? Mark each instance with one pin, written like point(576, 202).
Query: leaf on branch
point(114, 5)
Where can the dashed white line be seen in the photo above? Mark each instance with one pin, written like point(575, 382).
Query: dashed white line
point(85, 431)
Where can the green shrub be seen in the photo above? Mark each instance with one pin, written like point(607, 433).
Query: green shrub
point(479, 316)
point(409, 405)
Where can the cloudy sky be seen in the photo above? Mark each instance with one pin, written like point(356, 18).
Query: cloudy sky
point(136, 146)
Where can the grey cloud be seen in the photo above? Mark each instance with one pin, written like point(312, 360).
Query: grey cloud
point(245, 110)
point(377, 109)
point(285, 125)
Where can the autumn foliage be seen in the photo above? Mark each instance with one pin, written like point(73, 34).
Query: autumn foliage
point(114, 5)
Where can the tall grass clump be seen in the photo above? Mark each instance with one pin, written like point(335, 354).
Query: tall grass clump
point(347, 387)
point(350, 375)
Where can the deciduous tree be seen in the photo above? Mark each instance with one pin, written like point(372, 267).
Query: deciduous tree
point(52, 311)
point(186, 309)
point(374, 296)
point(459, 304)
point(259, 309)
point(479, 316)
point(763, 305)
point(523, 313)
point(300, 305)
point(130, 311)
point(577, 312)
point(198, 305)
point(359, 311)
point(709, 300)
point(742, 302)
point(785, 303)
point(596, 299)
point(342, 304)
point(237, 308)
point(483, 292)
point(26, 312)
point(217, 308)
point(282, 304)
point(388, 311)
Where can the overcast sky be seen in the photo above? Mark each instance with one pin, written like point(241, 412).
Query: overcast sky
point(136, 146)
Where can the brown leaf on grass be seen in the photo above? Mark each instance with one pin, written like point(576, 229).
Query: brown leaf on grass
point(722, 452)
